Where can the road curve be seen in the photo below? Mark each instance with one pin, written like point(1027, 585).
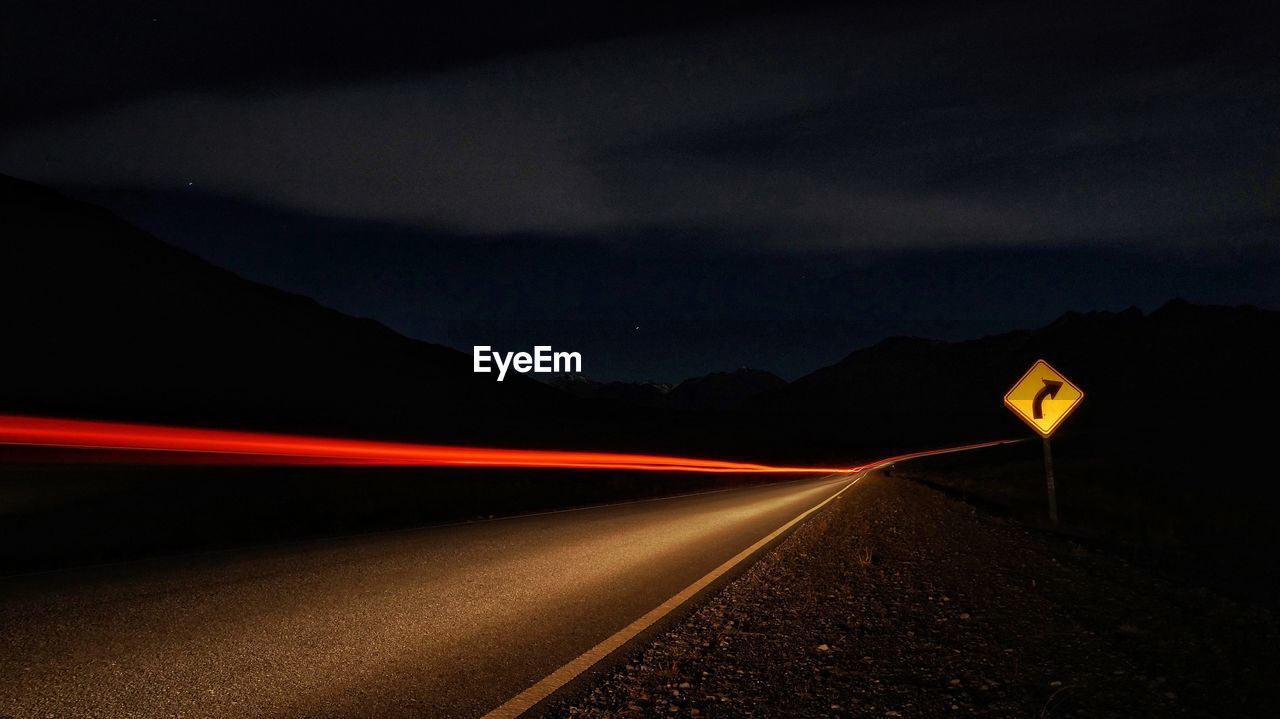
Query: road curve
point(437, 622)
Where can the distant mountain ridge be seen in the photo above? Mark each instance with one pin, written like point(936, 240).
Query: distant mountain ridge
point(717, 391)
point(1178, 371)
point(105, 320)
point(639, 394)
point(724, 391)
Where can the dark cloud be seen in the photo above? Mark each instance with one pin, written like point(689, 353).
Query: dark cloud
point(68, 56)
point(810, 130)
point(750, 185)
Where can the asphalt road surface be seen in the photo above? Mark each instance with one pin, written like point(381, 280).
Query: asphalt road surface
point(438, 622)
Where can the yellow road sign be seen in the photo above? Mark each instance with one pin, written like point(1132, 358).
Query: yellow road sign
point(1043, 398)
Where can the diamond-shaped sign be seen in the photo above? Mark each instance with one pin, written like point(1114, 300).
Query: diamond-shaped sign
point(1043, 398)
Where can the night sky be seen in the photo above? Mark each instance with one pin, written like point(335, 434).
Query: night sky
point(674, 189)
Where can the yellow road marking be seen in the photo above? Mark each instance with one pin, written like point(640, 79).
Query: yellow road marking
point(525, 700)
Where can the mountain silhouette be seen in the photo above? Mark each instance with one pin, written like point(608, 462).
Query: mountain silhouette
point(721, 391)
point(633, 394)
point(717, 391)
point(107, 321)
point(1183, 371)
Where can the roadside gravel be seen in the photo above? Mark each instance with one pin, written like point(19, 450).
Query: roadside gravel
point(898, 601)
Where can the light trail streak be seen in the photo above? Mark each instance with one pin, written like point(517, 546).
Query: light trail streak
point(155, 444)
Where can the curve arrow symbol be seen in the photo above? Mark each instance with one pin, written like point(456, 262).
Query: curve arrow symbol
point(1050, 389)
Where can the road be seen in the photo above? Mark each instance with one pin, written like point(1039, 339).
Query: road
point(446, 621)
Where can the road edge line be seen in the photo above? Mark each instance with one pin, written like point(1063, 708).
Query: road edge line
point(548, 685)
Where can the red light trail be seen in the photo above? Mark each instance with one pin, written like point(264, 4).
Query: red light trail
point(154, 444)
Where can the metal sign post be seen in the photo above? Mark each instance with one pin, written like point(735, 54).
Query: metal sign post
point(1043, 398)
point(1048, 481)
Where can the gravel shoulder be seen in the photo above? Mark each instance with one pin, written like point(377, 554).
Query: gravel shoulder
point(897, 600)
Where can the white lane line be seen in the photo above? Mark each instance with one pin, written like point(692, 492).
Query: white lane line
point(525, 700)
